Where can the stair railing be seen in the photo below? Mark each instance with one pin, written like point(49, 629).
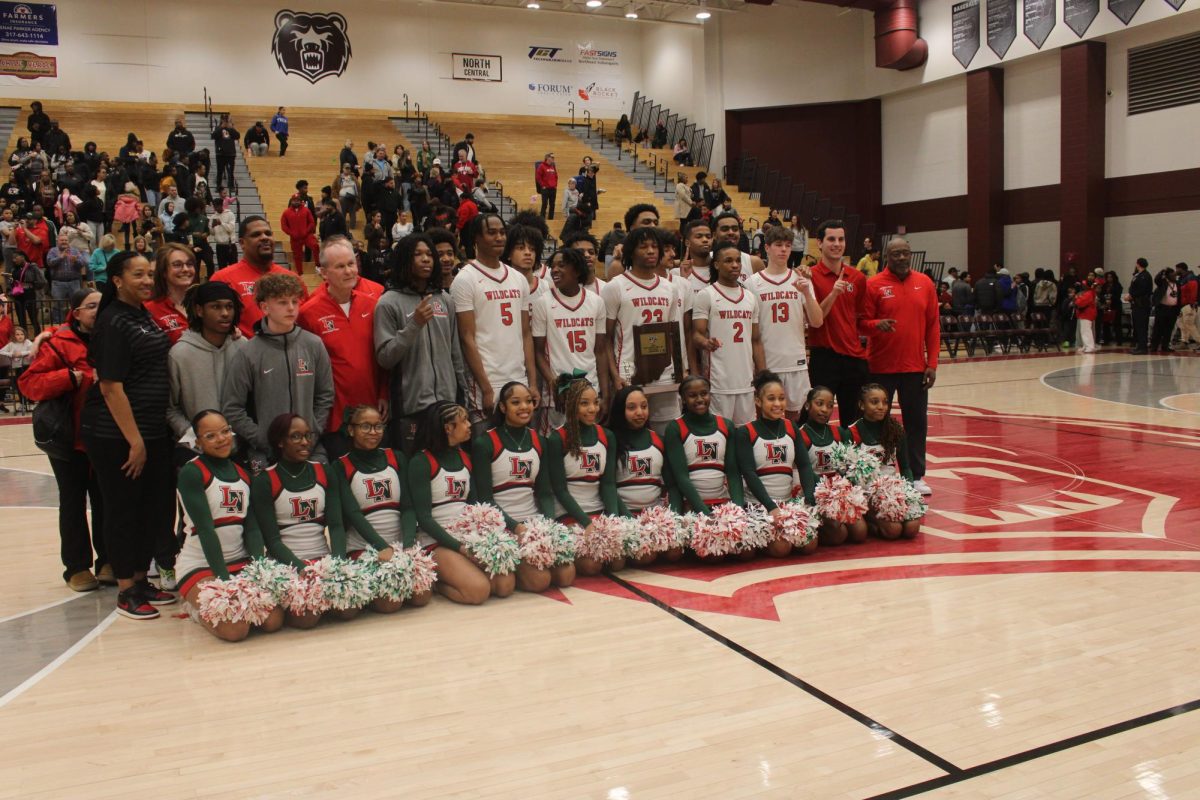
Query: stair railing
point(406, 107)
point(571, 106)
point(587, 119)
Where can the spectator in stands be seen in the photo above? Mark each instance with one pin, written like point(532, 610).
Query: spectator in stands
point(570, 197)
point(1166, 310)
point(465, 172)
point(330, 221)
point(225, 137)
point(1141, 290)
point(150, 228)
point(467, 211)
point(33, 236)
point(660, 136)
point(25, 282)
point(402, 228)
point(66, 267)
point(387, 204)
point(348, 191)
point(258, 249)
point(837, 357)
point(79, 234)
point(467, 145)
point(380, 165)
point(199, 226)
point(38, 122)
point(869, 263)
point(546, 180)
point(624, 131)
point(257, 140)
point(960, 295)
point(424, 159)
point(224, 233)
point(405, 172)
point(1007, 291)
point(684, 204)
point(682, 155)
point(56, 139)
point(987, 293)
point(98, 265)
point(1045, 293)
point(347, 156)
point(180, 140)
point(301, 228)
point(419, 200)
point(279, 127)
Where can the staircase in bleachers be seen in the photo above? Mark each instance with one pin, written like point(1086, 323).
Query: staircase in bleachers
point(8, 121)
point(248, 200)
point(606, 150)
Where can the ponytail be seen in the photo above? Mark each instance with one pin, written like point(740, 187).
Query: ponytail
point(117, 266)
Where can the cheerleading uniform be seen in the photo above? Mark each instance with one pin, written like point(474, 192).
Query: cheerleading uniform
point(373, 489)
point(867, 435)
point(585, 485)
point(292, 511)
point(440, 488)
point(221, 534)
point(642, 477)
point(703, 457)
point(508, 473)
point(771, 458)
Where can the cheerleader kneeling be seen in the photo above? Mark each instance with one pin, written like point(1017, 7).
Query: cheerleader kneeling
point(818, 437)
point(879, 433)
point(221, 533)
point(643, 479)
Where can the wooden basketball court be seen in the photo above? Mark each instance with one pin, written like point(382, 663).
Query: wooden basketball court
point(1038, 640)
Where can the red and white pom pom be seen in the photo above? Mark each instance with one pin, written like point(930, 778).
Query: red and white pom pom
point(478, 519)
point(889, 498)
point(797, 524)
point(424, 570)
point(659, 528)
point(306, 594)
point(604, 540)
point(539, 548)
point(234, 600)
point(840, 500)
point(760, 529)
point(720, 534)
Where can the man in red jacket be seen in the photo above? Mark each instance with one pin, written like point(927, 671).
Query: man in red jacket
point(258, 249)
point(900, 319)
point(33, 237)
point(546, 179)
point(301, 227)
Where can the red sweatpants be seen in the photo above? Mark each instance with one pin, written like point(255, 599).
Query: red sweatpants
point(298, 246)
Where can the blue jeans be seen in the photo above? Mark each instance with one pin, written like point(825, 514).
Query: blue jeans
point(60, 292)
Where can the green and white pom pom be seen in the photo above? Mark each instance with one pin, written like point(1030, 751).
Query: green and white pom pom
point(344, 584)
point(546, 543)
point(496, 550)
point(857, 464)
point(271, 575)
point(390, 580)
point(917, 505)
point(760, 529)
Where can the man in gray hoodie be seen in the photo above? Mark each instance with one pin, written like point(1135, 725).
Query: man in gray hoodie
point(198, 363)
point(416, 338)
point(283, 369)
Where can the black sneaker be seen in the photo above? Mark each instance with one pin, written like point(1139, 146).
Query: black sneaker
point(153, 595)
point(130, 603)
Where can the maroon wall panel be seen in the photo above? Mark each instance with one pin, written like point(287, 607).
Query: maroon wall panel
point(985, 169)
point(1083, 200)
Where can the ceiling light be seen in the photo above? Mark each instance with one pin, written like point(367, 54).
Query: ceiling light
point(631, 13)
point(594, 3)
point(534, 6)
point(702, 14)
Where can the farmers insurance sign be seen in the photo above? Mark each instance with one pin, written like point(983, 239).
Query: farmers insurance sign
point(474, 67)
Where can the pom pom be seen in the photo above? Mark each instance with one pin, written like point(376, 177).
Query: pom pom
point(917, 506)
point(662, 529)
point(546, 543)
point(722, 533)
point(856, 464)
point(477, 518)
point(423, 569)
point(634, 541)
point(797, 524)
point(390, 580)
point(271, 575)
point(604, 540)
point(306, 595)
point(840, 500)
point(234, 600)
point(344, 584)
point(495, 549)
point(888, 498)
point(760, 529)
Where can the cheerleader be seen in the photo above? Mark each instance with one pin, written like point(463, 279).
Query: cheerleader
point(439, 483)
point(293, 500)
point(371, 479)
point(507, 468)
point(221, 536)
point(770, 455)
point(581, 458)
point(818, 437)
point(643, 481)
point(878, 432)
point(701, 451)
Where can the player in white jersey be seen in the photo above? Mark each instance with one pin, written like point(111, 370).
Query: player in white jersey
point(786, 305)
point(586, 244)
point(523, 252)
point(637, 297)
point(638, 215)
point(727, 227)
point(684, 296)
point(491, 303)
point(569, 326)
point(725, 325)
point(696, 266)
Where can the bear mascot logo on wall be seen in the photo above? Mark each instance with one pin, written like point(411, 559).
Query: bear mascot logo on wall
point(313, 46)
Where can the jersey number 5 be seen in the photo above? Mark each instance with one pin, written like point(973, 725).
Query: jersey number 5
point(506, 317)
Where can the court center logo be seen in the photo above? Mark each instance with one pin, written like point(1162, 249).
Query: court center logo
point(313, 46)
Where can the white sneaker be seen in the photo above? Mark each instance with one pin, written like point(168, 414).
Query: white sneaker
point(922, 487)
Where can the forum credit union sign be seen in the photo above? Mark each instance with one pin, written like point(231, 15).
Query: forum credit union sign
point(475, 67)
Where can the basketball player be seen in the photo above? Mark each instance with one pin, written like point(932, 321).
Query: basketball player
point(569, 325)
point(786, 305)
point(639, 215)
point(725, 325)
point(491, 303)
point(586, 244)
point(696, 266)
point(727, 227)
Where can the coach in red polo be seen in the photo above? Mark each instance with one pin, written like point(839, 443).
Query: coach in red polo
point(900, 319)
point(837, 358)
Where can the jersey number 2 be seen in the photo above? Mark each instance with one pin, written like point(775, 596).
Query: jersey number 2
point(739, 331)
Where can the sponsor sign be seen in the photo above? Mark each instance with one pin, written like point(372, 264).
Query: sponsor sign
point(598, 92)
point(475, 67)
point(549, 54)
point(551, 92)
point(28, 23)
point(590, 53)
point(28, 66)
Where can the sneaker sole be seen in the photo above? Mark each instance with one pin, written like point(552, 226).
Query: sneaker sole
point(157, 603)
point(89, 588)
point(131, 615)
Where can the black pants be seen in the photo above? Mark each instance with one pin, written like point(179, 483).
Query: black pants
point(404, 432)
point(1164, 327)
point(204, 255)
point(139, 517)
point(225, 167)
point(76, 485)
point(549, 195)
point(843, 375)
point(226, 255)
point(282, 137)
point(914, 411)
point(25, 309)
point(1141, 326)
point(336, 445)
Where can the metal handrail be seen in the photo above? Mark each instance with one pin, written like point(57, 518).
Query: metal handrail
point(406, 107)
point(571, 106)
point(587, 118)
point(635, 158)
point(753, 221)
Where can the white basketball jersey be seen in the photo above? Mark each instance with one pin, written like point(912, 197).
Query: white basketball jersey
point(378, 497)
point(747, 268)
point(514, 475)
point(697, 279)
point(640, 475)
point(570, 326)
point(497, 298)
point(541, 287)
point(732, 314)
point(229, 504)
point(301, 515)
point(774, 459)
point(631, 302)
point(781, 321)
point(448, 491)
point(705, 456)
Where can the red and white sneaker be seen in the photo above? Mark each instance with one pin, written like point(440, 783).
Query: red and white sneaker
point(131, 603)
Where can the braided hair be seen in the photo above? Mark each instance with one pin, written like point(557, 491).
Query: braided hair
point(572, 389)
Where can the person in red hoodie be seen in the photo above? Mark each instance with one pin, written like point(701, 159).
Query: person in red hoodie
point(258, 248)
point(467, 211)
point(341, 312)
point(900, 319)
point(546, 179)
point(1085, 312)
point(301, 227)
point(33, 237)
point(59, 368)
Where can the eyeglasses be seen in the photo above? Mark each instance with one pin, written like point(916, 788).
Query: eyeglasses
point(376, 427)
point(297, 438)
point(223, 433)
point(89, 306)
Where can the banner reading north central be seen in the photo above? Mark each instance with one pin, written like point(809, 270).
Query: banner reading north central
point(476, 67)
